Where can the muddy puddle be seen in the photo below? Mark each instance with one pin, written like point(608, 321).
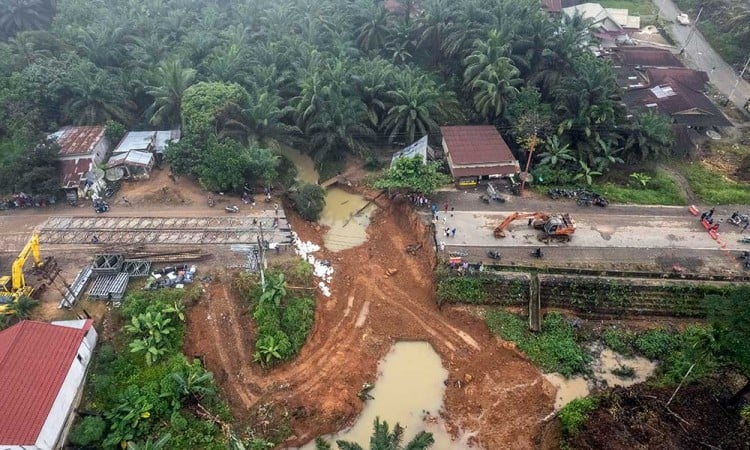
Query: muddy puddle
point(409, 390)
point(603, 366)
point(346, 220)
point(343, 214)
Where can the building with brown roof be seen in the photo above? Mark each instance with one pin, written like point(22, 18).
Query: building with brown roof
point(644, 57)
point(678, 93)
point(81, 150)
point(42, 371)
point(477, 152)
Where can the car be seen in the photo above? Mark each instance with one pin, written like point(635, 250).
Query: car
point(683, 19)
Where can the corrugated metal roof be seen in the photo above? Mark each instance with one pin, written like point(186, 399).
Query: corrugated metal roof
point(135, 140)
point(163, 137)
point(131, 158)
point(34, 359)
point(78, 140)
point(480, 144)
point(418, 148)
point(646, 56)
point(72, 171)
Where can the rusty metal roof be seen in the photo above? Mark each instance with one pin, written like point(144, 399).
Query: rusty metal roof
point(78, 140)
point(478, 144)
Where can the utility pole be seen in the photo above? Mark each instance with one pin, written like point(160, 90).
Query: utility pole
point(731, 94)
point(692, 31)
point(262, 262)
point(532, 145)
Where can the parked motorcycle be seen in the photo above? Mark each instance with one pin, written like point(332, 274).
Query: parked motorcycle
point(494, 254)
point(232, 209)
point(738, 219)
point(538, 253)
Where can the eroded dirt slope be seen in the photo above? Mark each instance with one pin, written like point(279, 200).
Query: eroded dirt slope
point(504, 400)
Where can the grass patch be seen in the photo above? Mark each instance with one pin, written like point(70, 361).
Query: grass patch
point(624, 372)
point(660, 190)
point(634, 7)
point(554, 349)
point(713, 188)
point(459, 290)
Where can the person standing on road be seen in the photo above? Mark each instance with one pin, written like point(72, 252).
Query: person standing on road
point(446, 207)
point(276, 209)
point(453, 232)
point(452, 210)
point(744, 227)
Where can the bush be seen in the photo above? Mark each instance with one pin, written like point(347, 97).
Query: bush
point(309, 201)
point(297, 320)
point(575, 413)
point(624, 372)
point(114, 131)
point(88, 431)
point(656, 344)
point(554, 349)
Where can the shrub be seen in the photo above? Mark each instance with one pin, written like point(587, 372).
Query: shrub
point(624, 372)
point(309, 200)
point(297, 320)
point(88, 431)
point(114, 131)
point(575, 413)
point(178, 421)
point(656, 344)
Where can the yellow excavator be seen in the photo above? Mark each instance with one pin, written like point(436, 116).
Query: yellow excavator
point(559, 227)
point(14, 286)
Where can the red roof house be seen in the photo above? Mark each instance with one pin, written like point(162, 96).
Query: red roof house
point(476, 152)
point(42, 370)
point(81, 149)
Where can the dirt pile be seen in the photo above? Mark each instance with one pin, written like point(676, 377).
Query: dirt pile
point(637, 417)
point(491, 389)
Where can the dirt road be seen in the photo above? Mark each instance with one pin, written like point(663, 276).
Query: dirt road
point(503, 401)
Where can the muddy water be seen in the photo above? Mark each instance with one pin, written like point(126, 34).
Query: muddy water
point(305, 166)
point(409, 390)
point(345, 230)
point(569, 389)
point(609, 360)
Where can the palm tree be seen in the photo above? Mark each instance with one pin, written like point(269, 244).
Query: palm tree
point(739, 21)
point(21, 15)
point(415, 106)
point(651, 135)
point(94, 97)
point(385, 439)
point(433, 26)
point(227, 64)
point(340, 126)
point(260, 118)
point(373, 79)
point(372, 33)
point(169, 82)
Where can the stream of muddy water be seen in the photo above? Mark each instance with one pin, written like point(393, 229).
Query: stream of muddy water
point(343, 213)
point(409, 391)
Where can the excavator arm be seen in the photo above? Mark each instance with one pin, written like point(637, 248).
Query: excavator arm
point(499, 231)
point(31, 248)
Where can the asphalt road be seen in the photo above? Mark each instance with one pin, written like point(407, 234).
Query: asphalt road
point(699, 55)
point(649, 238)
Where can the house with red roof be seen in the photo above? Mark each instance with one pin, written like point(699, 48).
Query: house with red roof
point(42, 371)
point(81, 150)
point(477, 152)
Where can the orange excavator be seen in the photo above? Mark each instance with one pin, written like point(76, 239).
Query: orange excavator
point(559, 227)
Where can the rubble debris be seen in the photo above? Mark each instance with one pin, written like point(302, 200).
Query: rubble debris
point(174, 277)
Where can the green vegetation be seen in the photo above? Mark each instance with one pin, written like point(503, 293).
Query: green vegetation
point(556, 348)
point(575, 413)
point(141, 400)
point(459, 289)
point(413, 175)
point(383, 438)
point(724, 24)
point(659, 189)
point(637, 7)
point(715, 189)
point(309, 201)
point(283, 317)
point(624, 372)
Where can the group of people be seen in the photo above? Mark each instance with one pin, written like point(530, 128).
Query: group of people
point(711, 224)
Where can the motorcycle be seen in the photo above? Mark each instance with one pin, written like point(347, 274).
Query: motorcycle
point(100, 206)
point(211, 202)
point(738, 219)
point(538, 253)
point(232, 209)
point(494, 254)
